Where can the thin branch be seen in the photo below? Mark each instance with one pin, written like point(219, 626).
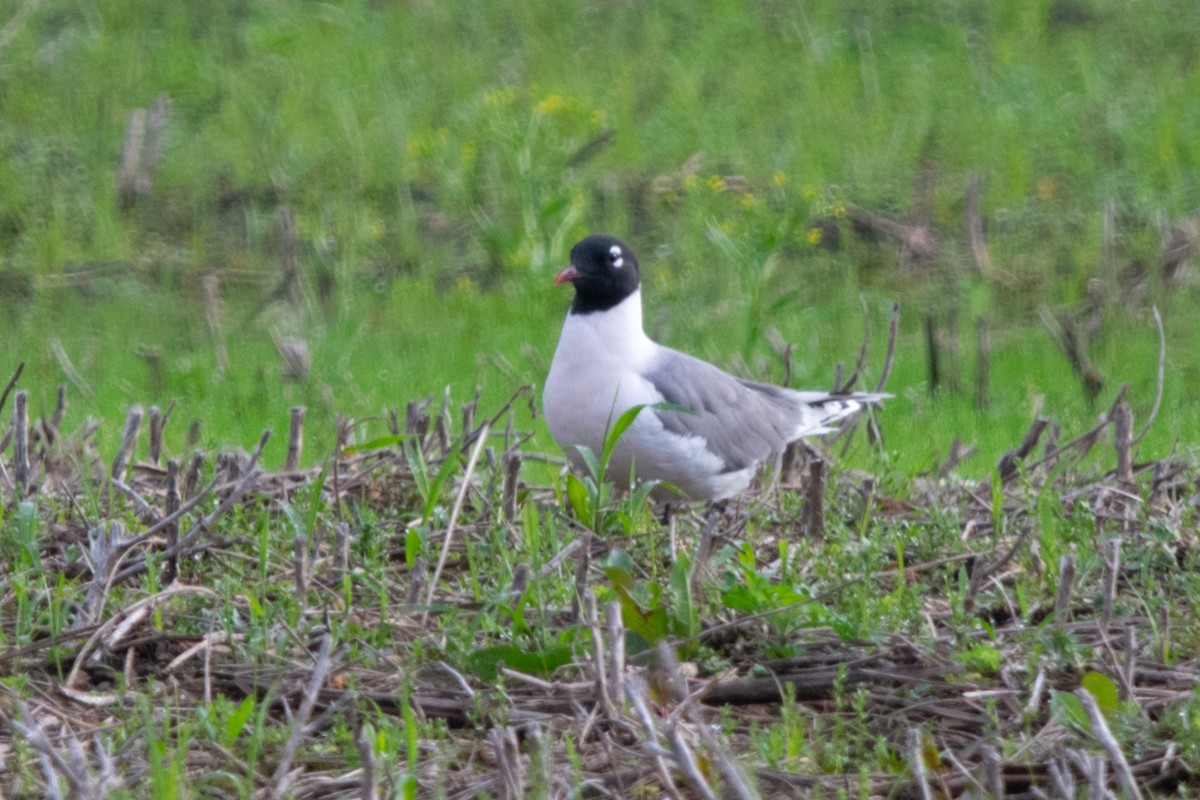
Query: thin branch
point(1162, 367)
point(282, 778)
point(890, 356)
point(12, 382)
point(1103, 735)
point(916, 757)
point(81, 657)
point(458, 502)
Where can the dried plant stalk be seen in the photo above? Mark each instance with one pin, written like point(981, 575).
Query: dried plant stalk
point(133, 423)
point(173, 503)
point(155, 434)
point(983, 356)
point(813, 523)
point(512, 475)
point(21, 442)
point(295, 439)
point(1123, 441)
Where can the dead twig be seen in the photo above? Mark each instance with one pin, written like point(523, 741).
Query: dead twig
point(127, 612)
point(1158, 391)
point(458, 503)
point(1074, 340)
point(983, 350)
point(202, 525)
point(20, 427)
point(812, 523)
point(282, 778)
point(12, 382)
point(141, 151)
point(1104, 736)
point(889, 354)
point(916, 761)
point(1066, 587)
point(1007, 466)
point(295, 439)
point(918, 244)
point(974, 222)
point(133, 423)
point(931, 349)
point(1123, 442)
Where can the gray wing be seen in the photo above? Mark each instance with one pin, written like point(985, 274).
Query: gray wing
point(743, 423)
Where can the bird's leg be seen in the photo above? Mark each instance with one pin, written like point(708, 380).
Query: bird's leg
point(667, 518)
point(704, 548)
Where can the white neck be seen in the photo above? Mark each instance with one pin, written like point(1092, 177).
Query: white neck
point(617, 331)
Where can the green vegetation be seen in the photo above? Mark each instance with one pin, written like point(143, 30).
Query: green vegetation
point(392, 186)
point(437, 161)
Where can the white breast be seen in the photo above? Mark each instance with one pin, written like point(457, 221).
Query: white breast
point(595, 377)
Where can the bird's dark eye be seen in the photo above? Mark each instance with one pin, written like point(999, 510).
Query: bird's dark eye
point(616, 257)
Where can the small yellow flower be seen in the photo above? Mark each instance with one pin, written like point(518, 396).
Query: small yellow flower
point(747, 200)
point(779, 179)
point(839, 209)
point(550, 104)
point(814, 236)
point(498, 97)
point(809, 192)
point(690, 181)
point(716, 183)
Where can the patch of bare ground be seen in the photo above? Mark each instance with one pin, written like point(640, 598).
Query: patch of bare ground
point(157, 630)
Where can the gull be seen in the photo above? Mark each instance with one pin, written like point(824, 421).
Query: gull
point(701, 430)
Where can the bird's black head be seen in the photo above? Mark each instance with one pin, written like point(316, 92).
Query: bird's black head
point(604, 271)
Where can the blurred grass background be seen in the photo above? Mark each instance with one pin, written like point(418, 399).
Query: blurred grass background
point(428, 165)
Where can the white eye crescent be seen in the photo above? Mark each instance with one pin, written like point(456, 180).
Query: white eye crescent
point(618, 260)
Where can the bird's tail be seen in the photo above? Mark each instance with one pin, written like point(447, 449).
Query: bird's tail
point(833, 408)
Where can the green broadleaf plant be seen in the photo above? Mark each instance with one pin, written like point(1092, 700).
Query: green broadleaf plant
point(590, 495)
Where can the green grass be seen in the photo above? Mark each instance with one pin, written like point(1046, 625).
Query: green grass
point(409, 339)
point(438, 161)
point(430, 157)
point(341, 109)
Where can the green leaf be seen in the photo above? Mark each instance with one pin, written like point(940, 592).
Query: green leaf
point(646, 618)
point(299, 527)
point(639, 495)
point(381, 443)
point(237, 721)
point(685, 617)
point(532, 528)
point(740, 598)
point(450, 463)
point(1066, 708)
point(486, 663)
point(981, 657)
point(618, 429)
point(590, 462)
point(618, 566)
point(414, 545)
point(580, 500)
point(411, 741)
point(517, 615)
point(1101, 687)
